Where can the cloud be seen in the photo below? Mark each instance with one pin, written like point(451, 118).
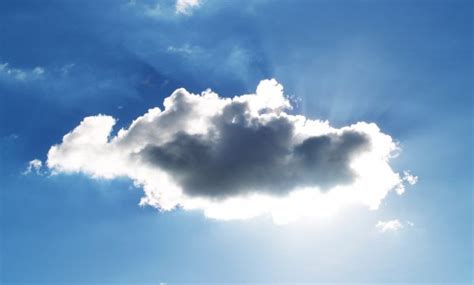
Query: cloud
point(184, 50)
point(35, 166)
point(163, 10)
point(410, 178)
point(66, 69)
point(242, 157)
point(185, 6)
point(18, 74)
point(392, 225)
point(236, 158)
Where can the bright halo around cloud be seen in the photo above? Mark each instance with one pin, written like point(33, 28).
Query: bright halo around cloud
point(236, 158)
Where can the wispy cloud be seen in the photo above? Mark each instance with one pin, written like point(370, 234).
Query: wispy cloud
point(19, 74)
point(392, 225)
point(34, 166)
point(186, 6)
point(410, 178)
point(184, 50)
point(163, 10)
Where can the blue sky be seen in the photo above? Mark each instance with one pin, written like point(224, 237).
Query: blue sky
point(405, 65)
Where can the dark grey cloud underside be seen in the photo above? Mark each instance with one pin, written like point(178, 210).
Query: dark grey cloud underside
point(246, 156)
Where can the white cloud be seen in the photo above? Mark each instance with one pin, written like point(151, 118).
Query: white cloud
point(35, 166)
point(185, 6)
point(20, 74)
point(163, 10)
point(236, 158)
point(391, 226)
point(409, 178)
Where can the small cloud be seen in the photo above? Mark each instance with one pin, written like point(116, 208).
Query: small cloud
point(163, 10)
point(390, 226)
point(409, 178)
point(185, 6)
point(20, 74)
point(67, 68)
point(38, 70)
point(184, 50)
point(34, 166)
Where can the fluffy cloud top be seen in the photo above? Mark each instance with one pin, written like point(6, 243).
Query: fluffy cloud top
point(236, 158)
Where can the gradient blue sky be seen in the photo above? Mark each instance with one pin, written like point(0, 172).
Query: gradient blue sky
point(406, 65)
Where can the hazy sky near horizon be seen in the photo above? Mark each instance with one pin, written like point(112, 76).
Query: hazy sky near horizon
point(72, 215)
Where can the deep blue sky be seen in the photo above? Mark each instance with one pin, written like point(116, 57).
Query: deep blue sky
point(406, 65)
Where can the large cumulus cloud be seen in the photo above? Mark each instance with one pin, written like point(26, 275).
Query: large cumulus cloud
point(236, 157)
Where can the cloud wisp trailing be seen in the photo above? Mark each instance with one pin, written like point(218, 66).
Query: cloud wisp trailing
point(19, 74)
point(34, 166)
point(236, 158)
